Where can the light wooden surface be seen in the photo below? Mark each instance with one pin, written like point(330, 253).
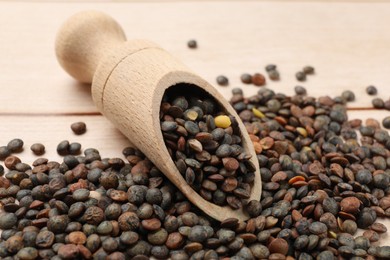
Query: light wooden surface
point(346, 42)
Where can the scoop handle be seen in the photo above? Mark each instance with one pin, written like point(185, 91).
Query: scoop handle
point(83, 40)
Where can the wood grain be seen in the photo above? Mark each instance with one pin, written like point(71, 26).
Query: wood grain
point(347, 44)
point(346, 41)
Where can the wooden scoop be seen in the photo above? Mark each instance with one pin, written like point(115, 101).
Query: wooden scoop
point(129, 79)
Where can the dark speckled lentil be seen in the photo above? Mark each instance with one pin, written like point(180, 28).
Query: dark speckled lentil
point(299, 90)
point(301, 76)
point(371, 90)
point(222, 80)
point(386, 122)
point(15, 145)
point(348, 95)
point(4, 152)
point(246, 78)
point(378, 103)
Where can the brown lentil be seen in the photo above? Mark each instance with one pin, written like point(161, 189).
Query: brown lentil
point(38, 149)
point(258, 79)
point(192, 44)
point(308, 70)
point(79, 128)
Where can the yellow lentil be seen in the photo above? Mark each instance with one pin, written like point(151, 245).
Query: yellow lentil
point(302, 131)
point(258, 113)
point(222, 121)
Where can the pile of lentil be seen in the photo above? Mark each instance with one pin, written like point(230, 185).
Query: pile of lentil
point(205, 144)
point(319, 184)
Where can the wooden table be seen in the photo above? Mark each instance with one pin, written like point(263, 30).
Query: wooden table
point(347, 42)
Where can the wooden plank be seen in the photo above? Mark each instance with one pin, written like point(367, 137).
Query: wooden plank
point(347, 43)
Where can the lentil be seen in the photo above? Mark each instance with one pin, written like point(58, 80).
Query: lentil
point(38, 149)
point(371, 90)
point(274, 75)
point(386, 122)
point(222, 80)
point(246, 78)
point(308, 70)
point(258, 79)
point(192, 44)
point(79, 128)
point(4, 152)
point(270, 67)
point(222, 121)
point(348, 95)
point(15, 145)
point(301, 76)
point(378, 103)
point(299, 90)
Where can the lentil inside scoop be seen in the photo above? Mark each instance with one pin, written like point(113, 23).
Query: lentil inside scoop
point(205, 144)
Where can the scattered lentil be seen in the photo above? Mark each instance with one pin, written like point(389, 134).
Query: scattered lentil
point(258, 79)
point(371, 90)
point(299, 90)
point(301, 76)
point(38, 149)
point(270, 67)
point(222, 80)
point(15, 145)
point(274, 75)
point(387, 104)
point(386, 122)
point(63, 148)
point(79, 128)
point(246, 78)
point(348, 95)
point(308, 70)
point(192, 44)
point(4, 152)
point(378, 103)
